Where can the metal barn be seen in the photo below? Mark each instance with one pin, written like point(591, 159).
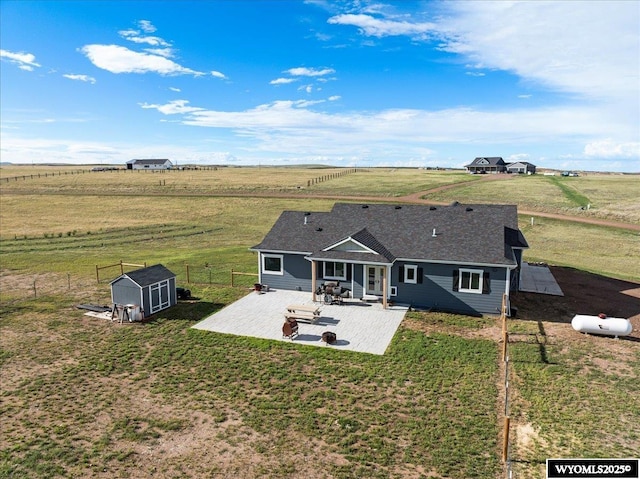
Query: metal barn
point(152, 289)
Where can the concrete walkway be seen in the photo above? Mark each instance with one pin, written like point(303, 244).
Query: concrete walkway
point(359, 326)
point(538, 279)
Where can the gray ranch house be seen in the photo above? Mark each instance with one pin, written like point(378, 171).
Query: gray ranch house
point(149, 164)
point(151, 289)
point(456, 258)
point(488, 164)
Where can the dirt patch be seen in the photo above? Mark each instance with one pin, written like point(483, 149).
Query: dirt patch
point(584, 293)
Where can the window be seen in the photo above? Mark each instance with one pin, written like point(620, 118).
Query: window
point(335, 270)
point(470, 281)
point(410, 274)
point(272, 264)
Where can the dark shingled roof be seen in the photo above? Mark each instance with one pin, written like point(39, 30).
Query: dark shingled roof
point(150, 275)
point(492, 161)
point(480, 234)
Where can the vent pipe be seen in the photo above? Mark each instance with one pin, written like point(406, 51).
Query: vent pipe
point(305, 220)
point(433, 235)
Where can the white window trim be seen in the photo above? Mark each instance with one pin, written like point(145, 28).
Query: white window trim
point(162, 285)
point(268, 271)
point(326, 276)
point(414, 268)
point(480, 283)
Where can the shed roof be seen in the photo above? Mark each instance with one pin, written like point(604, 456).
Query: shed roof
point(480, 234)
point(149, 275)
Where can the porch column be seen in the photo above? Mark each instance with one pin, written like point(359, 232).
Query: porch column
point(384, 289)
point(313, 280)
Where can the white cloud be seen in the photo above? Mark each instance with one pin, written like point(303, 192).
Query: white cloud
point(291, 128)
point(611, 149)
point(136, 37)
point(146, 26)
point(475, 74)
point(172, 88)
point(25, 61)
point(163, 52)
point(218, 75)
point(153, 41)
point(334, 98)
point(84, 78)
point(117, 59)
point(306, 88)
point(587, 47)
point(590, 48)
point(43, 150)
point(309, 72)
point(282, 81)
point(377, 27)
point(173, 107)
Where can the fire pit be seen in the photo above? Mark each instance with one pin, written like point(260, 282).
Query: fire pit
point(329, 337)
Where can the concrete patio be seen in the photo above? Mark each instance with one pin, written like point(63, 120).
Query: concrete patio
point(359, 326)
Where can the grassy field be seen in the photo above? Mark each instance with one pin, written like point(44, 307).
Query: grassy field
point(612, 197)
point(82, 397)
point(383, 182)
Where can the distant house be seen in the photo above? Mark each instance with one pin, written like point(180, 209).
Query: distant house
point(490, 164)
point(522, 167)
point(149, 164)
point(152, 289)
point(450, 258)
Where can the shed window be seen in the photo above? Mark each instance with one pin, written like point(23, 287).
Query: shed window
point(334, 270)
point(272, 264)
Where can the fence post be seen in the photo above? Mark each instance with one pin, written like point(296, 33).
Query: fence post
point(188, 281)
point(231, 277)
point(505, 446)
point(97, 274)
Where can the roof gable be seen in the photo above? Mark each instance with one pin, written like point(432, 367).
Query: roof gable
point(487, 161)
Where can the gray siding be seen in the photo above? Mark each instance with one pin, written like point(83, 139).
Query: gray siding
point(436, 291)
point(296, 277)
point(125, 291)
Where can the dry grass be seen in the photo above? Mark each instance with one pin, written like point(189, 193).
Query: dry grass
point(606, 251)
point(338, 181)
point(612, 197)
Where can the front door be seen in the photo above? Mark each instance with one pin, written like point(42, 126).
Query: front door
point(374, 282)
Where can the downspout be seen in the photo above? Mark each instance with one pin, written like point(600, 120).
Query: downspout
point(384, 288)
point(313, 279)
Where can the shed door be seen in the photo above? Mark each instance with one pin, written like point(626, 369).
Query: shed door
point(159, 296)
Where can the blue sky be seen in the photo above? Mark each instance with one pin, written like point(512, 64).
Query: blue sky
point(344, 83)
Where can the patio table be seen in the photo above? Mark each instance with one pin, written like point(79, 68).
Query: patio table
point(303, 311)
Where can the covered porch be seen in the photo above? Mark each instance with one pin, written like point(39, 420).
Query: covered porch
point(371, 283)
